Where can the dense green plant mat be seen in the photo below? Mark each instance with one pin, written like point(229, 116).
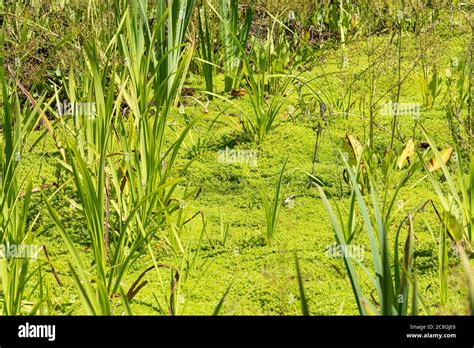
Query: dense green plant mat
point(230, 160)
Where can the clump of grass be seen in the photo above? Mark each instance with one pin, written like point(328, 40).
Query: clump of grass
point(206, 46)
point(234, 35)
point(392, 289)
point(457, 215)
point(272, 206)
point(16, 231)
point(224, 228)
point(126, 203)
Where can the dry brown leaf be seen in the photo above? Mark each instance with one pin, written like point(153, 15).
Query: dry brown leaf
point(238, 93)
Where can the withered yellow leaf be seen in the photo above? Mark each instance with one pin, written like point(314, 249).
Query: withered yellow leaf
point(445, 155)
point(406, 157)
point(354, 149)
